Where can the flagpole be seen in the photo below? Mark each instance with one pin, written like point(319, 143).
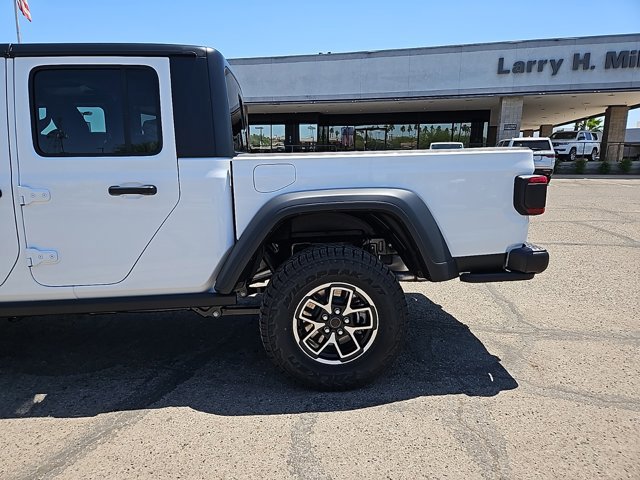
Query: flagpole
point(15, 9)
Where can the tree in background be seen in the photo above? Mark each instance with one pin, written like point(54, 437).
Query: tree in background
point(592, 124)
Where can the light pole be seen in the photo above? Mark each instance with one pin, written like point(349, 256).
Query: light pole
point(260, 141)
point(311, 129)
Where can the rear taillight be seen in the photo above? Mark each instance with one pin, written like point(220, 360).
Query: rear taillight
point(536, 179)
point(530, 194)
point(550, 156)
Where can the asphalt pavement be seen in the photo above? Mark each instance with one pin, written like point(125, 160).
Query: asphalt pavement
point(537, 379)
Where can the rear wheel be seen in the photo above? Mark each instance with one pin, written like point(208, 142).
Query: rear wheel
point(572, 154)
point(333, 317)
point(594, 154)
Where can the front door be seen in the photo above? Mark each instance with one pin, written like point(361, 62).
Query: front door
point(98, 167)
point(8, 231)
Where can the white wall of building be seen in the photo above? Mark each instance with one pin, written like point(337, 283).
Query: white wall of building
point(441, 71)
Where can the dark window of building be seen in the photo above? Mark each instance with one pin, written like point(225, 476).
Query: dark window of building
point(461, 132)
point(308, 136)
point(434, 132)
point(277, 137)
point(267, 138)
point(360, 134)
point(402, 137)
point(96, 111)
point(260, 138)
point(370, 137)
point(340, 138)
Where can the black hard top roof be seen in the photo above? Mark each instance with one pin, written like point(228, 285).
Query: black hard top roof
point(101, 49)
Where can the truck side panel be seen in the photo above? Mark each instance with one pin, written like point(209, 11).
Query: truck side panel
point(469, 192)
point(188, 251)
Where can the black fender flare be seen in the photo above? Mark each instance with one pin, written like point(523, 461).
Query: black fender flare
point(404, 205)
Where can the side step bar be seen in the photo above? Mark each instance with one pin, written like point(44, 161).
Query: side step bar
point(522, 264)
point(495, 277)
point(112, 305)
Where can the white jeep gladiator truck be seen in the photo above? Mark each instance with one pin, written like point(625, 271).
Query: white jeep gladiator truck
point(123, 188)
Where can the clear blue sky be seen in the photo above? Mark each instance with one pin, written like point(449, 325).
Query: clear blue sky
point(247, 28)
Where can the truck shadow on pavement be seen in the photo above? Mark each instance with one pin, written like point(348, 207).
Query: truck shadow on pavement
point(79, 366)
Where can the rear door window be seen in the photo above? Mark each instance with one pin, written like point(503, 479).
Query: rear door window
point(96, 111)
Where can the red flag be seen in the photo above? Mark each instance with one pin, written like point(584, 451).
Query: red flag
point(23, 5)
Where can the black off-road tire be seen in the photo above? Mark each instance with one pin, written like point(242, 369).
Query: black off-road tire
point(335, 265)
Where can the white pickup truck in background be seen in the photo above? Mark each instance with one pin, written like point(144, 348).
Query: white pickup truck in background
point(544, 156)
point(124, 187)
point(572, 144)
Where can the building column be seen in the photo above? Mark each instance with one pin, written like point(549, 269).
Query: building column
point(509, 117)
point(492, 131)
point(492, 135)
point(527, 133)
point(476, 135)
point(615, 127)
point(546, 130)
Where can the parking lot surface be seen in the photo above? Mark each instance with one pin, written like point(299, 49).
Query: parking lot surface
point(537, 379)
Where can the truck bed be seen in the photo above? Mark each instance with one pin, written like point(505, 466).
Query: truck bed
point(469, 192)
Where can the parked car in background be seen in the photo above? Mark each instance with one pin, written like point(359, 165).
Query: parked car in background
point(577, 143)
point(544, 155)
point(445, 145)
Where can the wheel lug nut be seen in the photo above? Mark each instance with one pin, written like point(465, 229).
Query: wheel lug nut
point(346, 320)
point(340, 332)
point(325, 317)
point(336, 311)
point(327, 330)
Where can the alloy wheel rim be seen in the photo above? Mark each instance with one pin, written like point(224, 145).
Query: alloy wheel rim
point(335, 323)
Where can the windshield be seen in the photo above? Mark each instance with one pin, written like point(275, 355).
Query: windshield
point(563, 135)
point(534, 145)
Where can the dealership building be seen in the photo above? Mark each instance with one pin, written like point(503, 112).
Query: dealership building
point(477, 94)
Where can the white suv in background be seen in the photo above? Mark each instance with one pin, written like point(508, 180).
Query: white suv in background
point(544, 155)
point(578, 143)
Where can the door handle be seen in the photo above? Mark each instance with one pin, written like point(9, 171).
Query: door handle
point(116, 190)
